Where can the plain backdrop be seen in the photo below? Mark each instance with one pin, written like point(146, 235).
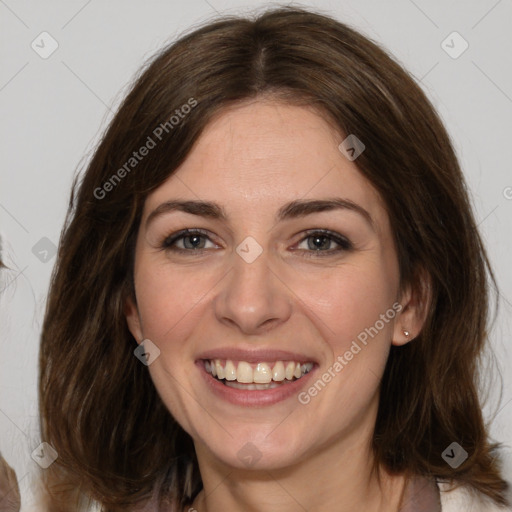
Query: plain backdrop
point(53, 110)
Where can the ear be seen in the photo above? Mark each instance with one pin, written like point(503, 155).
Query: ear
point(415, 299)
point(133, 319)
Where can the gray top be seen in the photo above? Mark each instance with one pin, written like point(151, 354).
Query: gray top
point(421, 495)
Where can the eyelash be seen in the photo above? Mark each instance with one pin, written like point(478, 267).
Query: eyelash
point(344, 243)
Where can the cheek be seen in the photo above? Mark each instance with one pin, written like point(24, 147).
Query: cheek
point(170, 307)
point(168, 300)
point(351, 299)
point(355, 306)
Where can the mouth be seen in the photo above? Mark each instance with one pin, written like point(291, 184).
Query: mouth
point(256, 376)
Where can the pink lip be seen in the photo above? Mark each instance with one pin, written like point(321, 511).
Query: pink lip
point(254, 355)
point(258, 397)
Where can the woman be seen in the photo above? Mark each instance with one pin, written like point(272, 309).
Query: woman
point(270, 292)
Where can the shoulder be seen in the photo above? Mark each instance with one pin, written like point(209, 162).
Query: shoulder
point(463, 499)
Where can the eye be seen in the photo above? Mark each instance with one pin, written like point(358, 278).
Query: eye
point(317, 241)
point(193, 240)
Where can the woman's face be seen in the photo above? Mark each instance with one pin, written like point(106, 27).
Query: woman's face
point(261, 289)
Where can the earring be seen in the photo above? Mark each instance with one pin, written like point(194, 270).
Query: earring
point(406, 333)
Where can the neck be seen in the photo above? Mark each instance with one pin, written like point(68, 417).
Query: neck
point(340, 477)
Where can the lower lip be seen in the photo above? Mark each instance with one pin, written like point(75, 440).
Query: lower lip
point(256, 397)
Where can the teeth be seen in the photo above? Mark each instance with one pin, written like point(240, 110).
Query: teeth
point(220, 369)
point(278, 372)
point(229, 370)
point(252, 387)
point(290, 370)
point(244, 373)
point(263, 376)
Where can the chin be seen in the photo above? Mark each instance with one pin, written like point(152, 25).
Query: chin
point(256, 448)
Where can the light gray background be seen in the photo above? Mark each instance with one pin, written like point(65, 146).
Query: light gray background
point(53, 110)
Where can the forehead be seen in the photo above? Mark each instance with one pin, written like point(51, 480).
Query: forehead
point(267, 153)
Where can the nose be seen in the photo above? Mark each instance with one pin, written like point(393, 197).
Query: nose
point(253, 297)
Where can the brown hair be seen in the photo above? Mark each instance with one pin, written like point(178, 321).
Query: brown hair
point(9, 489)
point(116, 440)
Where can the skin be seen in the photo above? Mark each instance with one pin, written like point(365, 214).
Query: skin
point(252, 159)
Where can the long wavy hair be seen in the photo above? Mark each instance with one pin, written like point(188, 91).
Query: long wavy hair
point(117, 442)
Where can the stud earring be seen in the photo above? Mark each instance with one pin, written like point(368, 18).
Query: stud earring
point(406, 333)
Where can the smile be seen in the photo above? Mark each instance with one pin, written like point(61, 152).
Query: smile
point(256, 376)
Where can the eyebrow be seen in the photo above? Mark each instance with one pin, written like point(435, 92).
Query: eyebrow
point(291, 210)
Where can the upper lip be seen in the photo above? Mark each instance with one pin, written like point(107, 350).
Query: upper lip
point(255, 355)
